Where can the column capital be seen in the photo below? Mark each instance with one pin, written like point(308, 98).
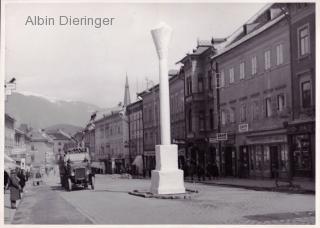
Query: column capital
point(161, 35)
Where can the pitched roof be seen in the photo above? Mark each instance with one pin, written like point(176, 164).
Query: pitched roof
point(249, 36)
point(58, 136)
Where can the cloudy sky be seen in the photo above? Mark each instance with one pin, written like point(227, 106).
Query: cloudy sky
point(84, 63)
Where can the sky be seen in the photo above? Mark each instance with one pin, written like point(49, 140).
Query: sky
point(84, 63)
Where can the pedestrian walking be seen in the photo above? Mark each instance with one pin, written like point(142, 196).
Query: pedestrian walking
point(22, 180)
point(6, 179)
point(14, 187)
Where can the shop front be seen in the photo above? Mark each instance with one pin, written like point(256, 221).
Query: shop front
point(265, 155)
point(302, 143)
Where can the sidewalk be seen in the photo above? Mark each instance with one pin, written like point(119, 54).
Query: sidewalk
point(299, 186)
point(8, 212)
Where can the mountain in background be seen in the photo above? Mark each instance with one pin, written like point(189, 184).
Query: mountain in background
point(40, 112)
point(67, 128)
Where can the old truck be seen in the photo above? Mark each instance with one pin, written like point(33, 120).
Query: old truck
point(75, 169)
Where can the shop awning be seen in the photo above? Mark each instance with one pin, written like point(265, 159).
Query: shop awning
point(9, 163)
point(138, 161)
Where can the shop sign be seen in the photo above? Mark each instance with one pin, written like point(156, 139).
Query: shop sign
point(213, 140)
point(222, 136)
point(243, 127)
point(178, 141)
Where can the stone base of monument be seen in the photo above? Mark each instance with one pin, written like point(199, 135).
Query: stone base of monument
point(167, 178)
point(167, 182)
point(189, 193)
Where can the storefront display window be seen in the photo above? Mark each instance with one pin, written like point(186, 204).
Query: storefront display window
point(252, 159)
point(266, 157)
point(284, 158)
point(301, 153)
point(258, 157)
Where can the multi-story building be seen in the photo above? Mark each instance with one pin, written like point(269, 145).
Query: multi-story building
point(89, 142)
point(255, 96)
point(42, 154)
point(151, 119)
point(151, 126)
point(112, 138)
point(177, 114)
point(200, 103)
point(9, 134)
point(301, 128)
point(22, 147)
point(134, 113)
point(60, 138)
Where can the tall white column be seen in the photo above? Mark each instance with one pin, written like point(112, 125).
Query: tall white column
point(166, 178)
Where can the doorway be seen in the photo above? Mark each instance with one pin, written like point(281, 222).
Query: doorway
point(274, 160)
point(228, 161)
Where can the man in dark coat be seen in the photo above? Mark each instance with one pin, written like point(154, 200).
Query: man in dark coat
point(6, 179)
point(22, 178)
point(14, 189)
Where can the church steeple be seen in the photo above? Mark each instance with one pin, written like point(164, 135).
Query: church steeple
point(126, 100)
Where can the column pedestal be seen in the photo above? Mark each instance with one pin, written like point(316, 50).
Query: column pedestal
point(167, 178)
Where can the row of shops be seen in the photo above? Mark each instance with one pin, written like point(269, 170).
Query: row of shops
point(289, 151)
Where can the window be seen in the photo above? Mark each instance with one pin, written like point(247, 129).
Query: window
point(306, 94)
point(254, 65)
point(211, 119)
point(222, 79)
point(190, 120)
point(279, 54)
point(232, 115)
point(223, 117)
point(243, 115)
point(200, 83)
point(255, 110)
point(241, 70)
point(201, 121)
point(189, 86)
point(59, 143)
point(267, 63)
point(280, 102)
point(268, 107)
point(209, 80)
point(231, 75)
point(304, 40)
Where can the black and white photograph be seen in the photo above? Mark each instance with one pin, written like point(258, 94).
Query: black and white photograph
point(159, 113)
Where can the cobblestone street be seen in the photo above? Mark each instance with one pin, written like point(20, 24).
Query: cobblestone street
point(110, 203)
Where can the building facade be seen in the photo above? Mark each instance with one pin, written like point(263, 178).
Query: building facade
point(256, 97)
point(9, 134)
point(60, 138)
point(112, 141)
point(42, 155)
point(301, 128)
point(151, 120)
point(200, 111)
point(134, 113)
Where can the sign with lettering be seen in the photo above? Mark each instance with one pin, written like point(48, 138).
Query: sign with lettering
point(243, 127)
point(213, 140)
point(222, 136)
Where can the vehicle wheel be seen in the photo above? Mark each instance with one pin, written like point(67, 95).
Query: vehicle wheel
point(69, 184)
point(92, 183)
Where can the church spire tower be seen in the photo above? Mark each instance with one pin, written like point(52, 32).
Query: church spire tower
point(126, 100)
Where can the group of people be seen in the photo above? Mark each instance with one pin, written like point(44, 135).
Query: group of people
point(15, 182)
point(211, 171)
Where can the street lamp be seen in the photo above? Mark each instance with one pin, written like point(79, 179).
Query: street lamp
point(9, 86)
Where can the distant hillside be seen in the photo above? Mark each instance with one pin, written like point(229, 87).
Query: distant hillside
point(67, 128)
point(39, 112)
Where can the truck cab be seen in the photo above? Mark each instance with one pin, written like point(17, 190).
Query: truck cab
point(75, 169)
